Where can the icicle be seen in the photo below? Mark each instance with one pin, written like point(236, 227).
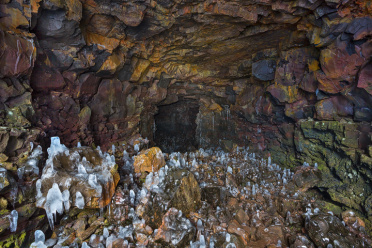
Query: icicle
point(79, 200)
point(105, 233)
point(85, 245)
point(66, 199)
point(13, 219)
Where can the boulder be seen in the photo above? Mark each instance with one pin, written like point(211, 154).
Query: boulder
point(17, 55)
point(334, 108)
point(339, 64)
point(150, 160)
point(328, 229)
point(175, 230)
point(80, 177)
point(365, 78)
point(187, 197)
point(264, 69)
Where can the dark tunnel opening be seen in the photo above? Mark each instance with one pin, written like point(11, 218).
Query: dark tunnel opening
point(176, 126)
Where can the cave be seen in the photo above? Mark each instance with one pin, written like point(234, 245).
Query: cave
point(175, 126)
point(119, 118)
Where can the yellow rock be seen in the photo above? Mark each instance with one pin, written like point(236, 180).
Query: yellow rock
point(102, 42)
point(149, 160)
point(111, 63)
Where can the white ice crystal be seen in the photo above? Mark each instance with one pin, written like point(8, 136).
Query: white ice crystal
point(53, 204)
point(13, 219)
point(79, 200)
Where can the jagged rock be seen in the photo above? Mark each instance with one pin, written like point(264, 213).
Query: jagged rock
point(86, 177)
point(339, 67)
point(365, 78)
point(334, 108)
point(328, 229)
point(150, 160)
point(187, 197)
point(175, 229)
point(17, 55)
point(264, 69)
point(291, 67)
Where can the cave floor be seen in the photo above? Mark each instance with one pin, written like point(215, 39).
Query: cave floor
point(210, 198)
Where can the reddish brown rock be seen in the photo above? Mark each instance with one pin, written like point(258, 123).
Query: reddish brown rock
point(284, 94)
point(301, 109)
point(339, 64)
point(334, 108)
point(45, 78)
point(365, 78)
point(17, 55)
point(292, 65)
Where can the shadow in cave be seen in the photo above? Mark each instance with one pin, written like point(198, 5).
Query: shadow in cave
point(176, 126)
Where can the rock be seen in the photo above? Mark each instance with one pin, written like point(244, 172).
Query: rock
point(78, 171)
point(302, 241)
point(328, 229)
point(334, 108)
point(235, 228)
point(187, 197)
point(301, 109)
point(339, 67)
point(284, 94)
point(17, 55)
point(54, 29)
point(45, 78)
point(351, 219)
point(365, 78)
point(264, 69)
point(307, 177)
point(242, 217)
point(150, 160)
point(291, 67)
point(12, 18)
point(175, 229)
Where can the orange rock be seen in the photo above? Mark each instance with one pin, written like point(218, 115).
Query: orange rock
point(236, 228)
point(149, 160)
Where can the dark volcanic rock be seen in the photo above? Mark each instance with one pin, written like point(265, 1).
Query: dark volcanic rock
point(264, 69)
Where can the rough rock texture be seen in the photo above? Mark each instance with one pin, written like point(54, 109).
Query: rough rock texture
point(150, 160)
point(97, 72)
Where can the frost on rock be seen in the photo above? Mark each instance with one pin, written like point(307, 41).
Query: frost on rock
point(31, 166)
point(87, 177)
point(175, 229)
point(3, 178)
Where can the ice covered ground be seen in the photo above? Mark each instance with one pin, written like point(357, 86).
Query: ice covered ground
point(207, 198)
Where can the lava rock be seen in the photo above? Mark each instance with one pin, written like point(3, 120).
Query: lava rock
point(150, 160)
point(328, 229)
point(175, 230)
point(264, 69)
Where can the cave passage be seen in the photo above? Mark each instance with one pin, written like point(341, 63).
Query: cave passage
point(176, 126)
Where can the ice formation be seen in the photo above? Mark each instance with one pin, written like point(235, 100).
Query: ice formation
point(39, 240)
point(79, 200)
point(13, 219)
point(31, 163)
point(73, 177)
point(2, 177)
point(54, 204)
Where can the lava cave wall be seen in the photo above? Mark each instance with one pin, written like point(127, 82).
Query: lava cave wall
point(292, 79)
